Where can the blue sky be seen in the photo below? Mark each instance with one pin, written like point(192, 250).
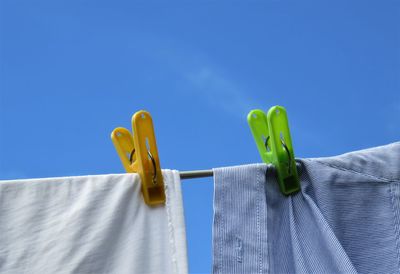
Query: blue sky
point(72, 71)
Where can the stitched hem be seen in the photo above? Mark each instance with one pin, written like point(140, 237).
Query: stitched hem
point(258, 222)
point(386, 180)
point(394, 191)
point(168, 205)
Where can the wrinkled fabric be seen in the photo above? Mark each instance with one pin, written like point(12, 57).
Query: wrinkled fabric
point(90, 224)
point(345, 219)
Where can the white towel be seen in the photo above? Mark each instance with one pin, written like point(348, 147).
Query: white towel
point(90, 224)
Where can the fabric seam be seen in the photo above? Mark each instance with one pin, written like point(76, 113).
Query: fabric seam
point(396, 224)
point(266, 220)
point(387, 180)
point(258, 223)
point(170, 222)
point(221, 220)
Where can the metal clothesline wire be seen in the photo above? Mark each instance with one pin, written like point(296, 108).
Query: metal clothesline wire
point(196, 174)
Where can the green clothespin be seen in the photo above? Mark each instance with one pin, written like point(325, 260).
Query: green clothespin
point(272, 136)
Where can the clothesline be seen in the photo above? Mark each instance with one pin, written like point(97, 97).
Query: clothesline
point(196, 174)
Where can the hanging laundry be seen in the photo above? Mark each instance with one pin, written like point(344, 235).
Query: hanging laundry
point(345, 219)
point(90, 224)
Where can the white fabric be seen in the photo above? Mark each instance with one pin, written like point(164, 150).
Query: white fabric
point(90, 224)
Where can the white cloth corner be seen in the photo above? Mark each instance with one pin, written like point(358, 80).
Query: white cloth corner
point(90, 224)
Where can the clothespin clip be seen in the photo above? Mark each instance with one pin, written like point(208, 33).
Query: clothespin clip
point(272, 136)
point(139, 154)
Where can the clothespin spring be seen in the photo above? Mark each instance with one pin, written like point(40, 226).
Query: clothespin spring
point(286, 149)
point(154, 180)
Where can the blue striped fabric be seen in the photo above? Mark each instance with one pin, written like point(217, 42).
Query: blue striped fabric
point(346, 219)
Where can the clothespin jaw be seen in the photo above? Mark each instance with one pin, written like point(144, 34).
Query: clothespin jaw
point(257, 121)
point(139, 154)
point(272, 136)
point(123, 143)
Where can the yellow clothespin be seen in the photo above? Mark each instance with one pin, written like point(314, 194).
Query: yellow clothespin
point(139, 154)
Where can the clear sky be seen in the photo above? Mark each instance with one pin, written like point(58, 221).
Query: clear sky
point(72, 71)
